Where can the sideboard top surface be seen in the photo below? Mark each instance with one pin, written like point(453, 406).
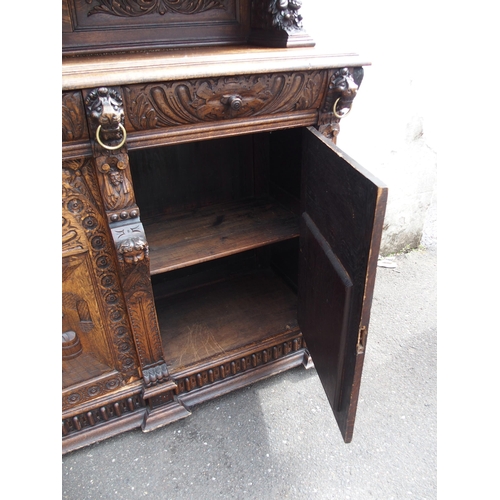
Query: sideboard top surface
point(127, 68)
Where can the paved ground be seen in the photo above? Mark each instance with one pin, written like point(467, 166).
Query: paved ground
point(278, 438)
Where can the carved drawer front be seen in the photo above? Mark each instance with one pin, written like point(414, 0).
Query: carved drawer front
point(209, 100)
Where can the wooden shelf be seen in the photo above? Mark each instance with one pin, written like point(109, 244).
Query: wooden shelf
point(208, 233)
point(212, 322)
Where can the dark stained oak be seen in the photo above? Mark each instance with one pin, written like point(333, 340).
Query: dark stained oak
point(343, 208)
point(207, 236)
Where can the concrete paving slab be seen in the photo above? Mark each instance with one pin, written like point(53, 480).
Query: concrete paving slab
point(278, 438)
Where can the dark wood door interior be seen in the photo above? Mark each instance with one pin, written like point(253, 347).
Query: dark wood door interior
point(341, 223)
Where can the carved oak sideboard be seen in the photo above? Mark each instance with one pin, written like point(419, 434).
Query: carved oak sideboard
point(213, 234)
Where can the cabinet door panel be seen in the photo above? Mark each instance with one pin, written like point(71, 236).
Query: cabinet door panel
point(98, 351)
point(343, 209)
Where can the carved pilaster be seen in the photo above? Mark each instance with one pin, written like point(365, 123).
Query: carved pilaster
point(104, 108)
point(278, 23)
point(342, 89)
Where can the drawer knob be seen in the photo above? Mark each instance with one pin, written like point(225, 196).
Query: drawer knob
point(234, 102)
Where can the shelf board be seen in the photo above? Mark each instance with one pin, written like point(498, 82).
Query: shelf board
point(211, 323)
point(208, 233)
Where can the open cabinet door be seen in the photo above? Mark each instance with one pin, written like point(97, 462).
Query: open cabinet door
point(342, 210)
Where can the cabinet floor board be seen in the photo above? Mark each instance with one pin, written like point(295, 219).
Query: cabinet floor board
point(81, 368)
point(211, 322)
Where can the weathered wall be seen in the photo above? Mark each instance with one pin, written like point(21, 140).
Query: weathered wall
point(391, 128)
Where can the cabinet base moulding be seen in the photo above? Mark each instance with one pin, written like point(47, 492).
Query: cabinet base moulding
point(244, 379)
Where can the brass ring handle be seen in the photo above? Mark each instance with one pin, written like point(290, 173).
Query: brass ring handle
point(337, 115)
point(111, 148)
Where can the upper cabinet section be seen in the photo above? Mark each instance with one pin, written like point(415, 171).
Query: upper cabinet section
point(99, 26)
point(104, 26)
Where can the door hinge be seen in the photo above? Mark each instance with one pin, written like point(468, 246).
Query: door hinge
point(362, 334)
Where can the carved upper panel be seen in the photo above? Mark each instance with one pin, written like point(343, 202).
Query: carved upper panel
point(137, 8)
point(210, 99)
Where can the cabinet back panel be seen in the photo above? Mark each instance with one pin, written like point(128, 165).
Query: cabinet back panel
point(187, 176)
point(192, 277)
point(285, 157)
point(282, 257)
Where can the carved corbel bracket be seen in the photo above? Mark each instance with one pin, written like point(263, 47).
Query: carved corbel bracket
point(104, 107)
point(278, 23)
point(342, 89)
point(131, 244)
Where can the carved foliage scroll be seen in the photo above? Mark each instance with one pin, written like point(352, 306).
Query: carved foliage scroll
point(211, 99)
point(138, 8)
point(73, 117)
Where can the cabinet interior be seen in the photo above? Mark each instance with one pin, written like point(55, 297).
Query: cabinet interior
point(222, 221)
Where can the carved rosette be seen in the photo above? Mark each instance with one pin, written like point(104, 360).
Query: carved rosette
point(89, 392)
point(211, 99)
point(106, 115)
point(342, 89)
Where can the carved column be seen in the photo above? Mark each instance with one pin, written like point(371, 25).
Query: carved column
point(104, 109)
point(342, 89)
